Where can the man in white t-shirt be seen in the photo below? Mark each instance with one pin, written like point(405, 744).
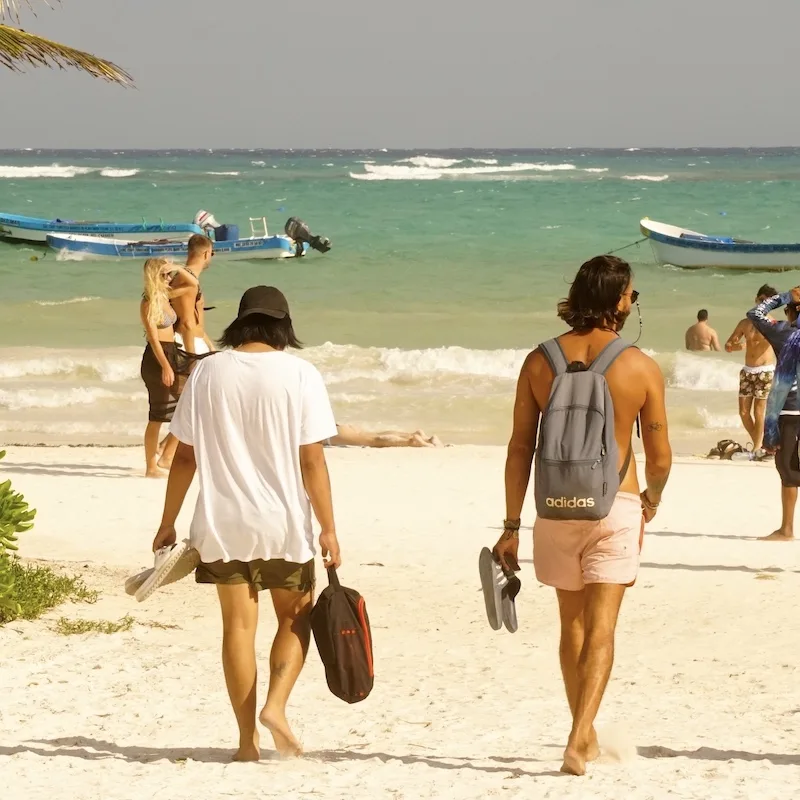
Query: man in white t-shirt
point(251, 421)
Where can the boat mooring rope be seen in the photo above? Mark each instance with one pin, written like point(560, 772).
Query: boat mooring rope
point(637, 243)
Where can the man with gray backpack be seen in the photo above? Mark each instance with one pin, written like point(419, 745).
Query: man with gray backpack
point(580, 395)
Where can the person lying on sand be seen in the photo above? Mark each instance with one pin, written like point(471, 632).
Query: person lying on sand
point(251, 422)
point(349, 435)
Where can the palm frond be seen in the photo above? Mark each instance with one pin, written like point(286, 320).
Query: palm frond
point(19, 48)
point(9, 9)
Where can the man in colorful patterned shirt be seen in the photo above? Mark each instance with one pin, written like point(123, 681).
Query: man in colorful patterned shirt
point(782, 421)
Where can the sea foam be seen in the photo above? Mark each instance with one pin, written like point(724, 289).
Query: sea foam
point(110, 172)
point(404, 172)
point(651, 178)
point(52, 171)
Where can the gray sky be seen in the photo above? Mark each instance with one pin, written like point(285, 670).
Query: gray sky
point(413, 74)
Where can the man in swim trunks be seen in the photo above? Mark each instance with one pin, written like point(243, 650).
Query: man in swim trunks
point(190, 328)
point(590, 563)
point(755, 378)
point(701, 336)
point(787, 435)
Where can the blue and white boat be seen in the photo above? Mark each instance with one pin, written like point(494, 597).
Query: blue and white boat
point(15, 228)
point(296, 241)
point(112, 249)
point(689, 249)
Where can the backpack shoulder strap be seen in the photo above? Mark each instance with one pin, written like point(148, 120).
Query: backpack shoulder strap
point(625, 464)
point(552, 351)
point(608, 355)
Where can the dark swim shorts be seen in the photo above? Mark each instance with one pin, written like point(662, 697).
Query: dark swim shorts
point(787, 461)
point(274, 573)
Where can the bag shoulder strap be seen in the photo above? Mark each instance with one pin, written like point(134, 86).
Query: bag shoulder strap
point(551, 349)
point(608, 355)
point(333, 578)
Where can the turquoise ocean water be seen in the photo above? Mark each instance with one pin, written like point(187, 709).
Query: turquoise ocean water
point(445, 269)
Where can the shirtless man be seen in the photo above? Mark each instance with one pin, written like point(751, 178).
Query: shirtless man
point(189, 307)
point(590, 563)
point(755, 379)
point(701, 336)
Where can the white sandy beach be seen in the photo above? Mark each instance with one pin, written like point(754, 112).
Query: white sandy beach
point(704, 701)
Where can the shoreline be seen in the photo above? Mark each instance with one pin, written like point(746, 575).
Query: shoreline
point(682, 450)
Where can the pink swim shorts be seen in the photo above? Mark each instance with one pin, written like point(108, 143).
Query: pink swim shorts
point(568, 554)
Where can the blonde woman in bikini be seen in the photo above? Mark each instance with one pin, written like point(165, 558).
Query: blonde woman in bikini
point(159, 362)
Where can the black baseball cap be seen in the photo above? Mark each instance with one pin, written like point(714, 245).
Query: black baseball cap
point(264, 300)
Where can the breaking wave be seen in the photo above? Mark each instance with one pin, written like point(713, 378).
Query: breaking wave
point(424, 168)
point(52, 171)
point(651, 178)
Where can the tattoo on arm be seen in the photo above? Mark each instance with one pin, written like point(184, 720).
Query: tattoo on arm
point(656, 485)
point(655, 426)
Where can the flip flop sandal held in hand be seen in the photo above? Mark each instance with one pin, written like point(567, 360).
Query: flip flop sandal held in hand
point(491, 578)
point(500, 589)
point(171, 564)
point(509, 607)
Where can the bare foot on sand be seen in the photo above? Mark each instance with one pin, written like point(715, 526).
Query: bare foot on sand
point(777, 536)
point(249, 751)
point(574, 762)
point(156, 473)
point(576, 755)
point(285, 742)
point(165, 463)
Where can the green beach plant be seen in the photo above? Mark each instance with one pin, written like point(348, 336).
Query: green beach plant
point(19, 49)
point(15, 518)
point(71, 627)
point(26, 590)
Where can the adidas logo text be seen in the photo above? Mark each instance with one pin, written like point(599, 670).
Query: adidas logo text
point(570, 502)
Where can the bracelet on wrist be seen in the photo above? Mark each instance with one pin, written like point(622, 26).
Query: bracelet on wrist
point(648, 503)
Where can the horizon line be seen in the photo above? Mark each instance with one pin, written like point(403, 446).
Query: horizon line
point(628, 149)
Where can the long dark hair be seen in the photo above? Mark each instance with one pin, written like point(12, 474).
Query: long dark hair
point(277, 333)
point(595, 294)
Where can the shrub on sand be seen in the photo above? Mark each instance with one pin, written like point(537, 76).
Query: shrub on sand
point(27, 591)
point(15, 518)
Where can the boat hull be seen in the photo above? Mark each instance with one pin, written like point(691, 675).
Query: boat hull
point(269, 247)
point(687, 249)
point(17, 229)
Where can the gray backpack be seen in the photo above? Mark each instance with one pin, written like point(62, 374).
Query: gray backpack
point(575, 474)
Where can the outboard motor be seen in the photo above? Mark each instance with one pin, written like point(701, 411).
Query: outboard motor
point(298, 230)
point(206, 220)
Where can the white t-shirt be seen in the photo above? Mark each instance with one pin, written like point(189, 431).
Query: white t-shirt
point(246, 415)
